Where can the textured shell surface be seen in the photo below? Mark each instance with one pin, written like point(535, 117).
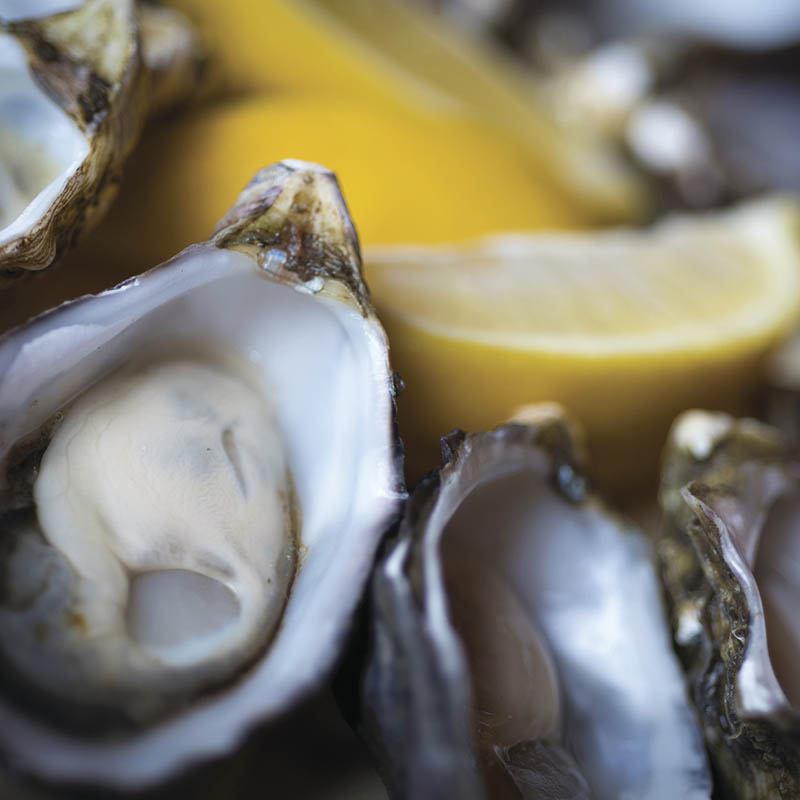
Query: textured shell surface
point(78, 81)
point(197, 468)
point(730, 553)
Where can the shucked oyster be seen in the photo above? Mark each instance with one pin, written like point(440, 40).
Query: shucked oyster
point(196, 469)
point(164, 528)
point(79, 79)
point(519, 647)
point(731, 564)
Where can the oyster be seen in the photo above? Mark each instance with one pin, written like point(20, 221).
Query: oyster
point(730, 554)
point(197, 467)
point(77, 86)
point(518, 643)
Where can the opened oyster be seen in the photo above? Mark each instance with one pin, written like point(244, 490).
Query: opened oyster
point(519, 646)
point(197, 467)
point(79, 79)
point(731, 554)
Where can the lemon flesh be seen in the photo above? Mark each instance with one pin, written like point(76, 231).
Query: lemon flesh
point(625, 328)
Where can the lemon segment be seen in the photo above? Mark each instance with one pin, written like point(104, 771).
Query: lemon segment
point(292, 44)
point(395, 54)
point(624, 328)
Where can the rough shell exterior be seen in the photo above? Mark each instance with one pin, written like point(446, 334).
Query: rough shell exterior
point(108, 65)
point(724, 469)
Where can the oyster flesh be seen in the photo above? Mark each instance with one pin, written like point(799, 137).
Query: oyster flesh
point(197, 467)
point(730, 556)
point(519, 647)
point(79, 80)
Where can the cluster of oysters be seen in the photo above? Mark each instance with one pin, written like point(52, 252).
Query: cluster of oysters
point(199, 468)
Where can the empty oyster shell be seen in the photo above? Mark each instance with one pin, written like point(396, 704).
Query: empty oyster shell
point(78, 84)
point(730, 553)
point(519, 647)
point(194, 463)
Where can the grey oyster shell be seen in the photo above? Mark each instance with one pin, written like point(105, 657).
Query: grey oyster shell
point(84, 82)
point(729, 492)
point(518, 643)
point(277, 285)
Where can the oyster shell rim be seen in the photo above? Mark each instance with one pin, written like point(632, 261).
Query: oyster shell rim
point(108, 92)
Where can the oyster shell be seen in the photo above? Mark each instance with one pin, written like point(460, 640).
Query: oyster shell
point(78, 85)
point(518, 643)
point(730, 552)
point(176, 453)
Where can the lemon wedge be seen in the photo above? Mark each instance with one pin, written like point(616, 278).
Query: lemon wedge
point(473, 73)
point(625, 328)
point(396, 54)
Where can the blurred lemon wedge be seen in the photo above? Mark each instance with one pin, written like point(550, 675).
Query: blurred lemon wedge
point(471, 72)
point(396, 54)
point(625, 328)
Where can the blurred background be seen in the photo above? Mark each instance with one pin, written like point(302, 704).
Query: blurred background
point(701, 95)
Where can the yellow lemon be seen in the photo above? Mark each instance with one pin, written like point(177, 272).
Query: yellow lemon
point(406, 177)
point(624, 328)
point(293, 44)
point(484, 80)
point(395, 53)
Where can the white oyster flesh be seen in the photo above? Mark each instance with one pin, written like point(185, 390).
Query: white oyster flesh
point(325, 365)
point(515, 690)
point(515, 685)
point(41, 146)
point(589, 588)
point(165, 488)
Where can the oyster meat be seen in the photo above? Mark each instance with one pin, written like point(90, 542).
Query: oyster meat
point(519, 647)
point(197, 467)
point(164, 516)
point(78, 81)
point(730, 557)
